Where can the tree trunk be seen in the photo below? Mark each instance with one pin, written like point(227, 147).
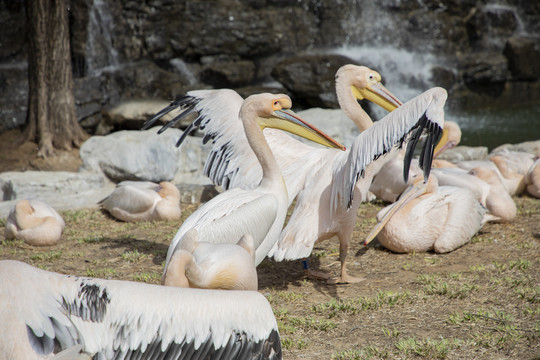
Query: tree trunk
point(51, 119)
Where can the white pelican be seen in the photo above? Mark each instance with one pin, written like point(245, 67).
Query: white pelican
point(133, 201)
point(306, 170)
point(261, 211)
point(533, 179)
point(212, 266)
point(428, 217)
point(513, 166)
point(43, 313)
point(35, 223)
point(499, 203)
point(386, 186)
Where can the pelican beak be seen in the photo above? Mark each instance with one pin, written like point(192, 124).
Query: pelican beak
point(289, 121)
point(411, 193)
point(378, 94)
point(443, 144)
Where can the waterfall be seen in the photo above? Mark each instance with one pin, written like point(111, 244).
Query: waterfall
point(182, 68)
point(100, 51)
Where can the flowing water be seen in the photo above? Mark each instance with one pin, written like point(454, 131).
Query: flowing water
point(407, 73)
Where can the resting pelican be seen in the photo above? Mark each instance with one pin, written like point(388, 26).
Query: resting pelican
point(533, 179)
point(513, 166)
point(260, 211)
point(428, 217)
point(35, 223)
point(43, 313)
point(498, 202)
point(212, 266)
point(133, 201)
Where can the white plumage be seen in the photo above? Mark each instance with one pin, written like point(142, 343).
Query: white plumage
point(332, 203)
point(429, 217)
point(44, 312)
point(35, 223)
point(258, 211)
point(307, 171)
point(212, 266)
point(324, 179)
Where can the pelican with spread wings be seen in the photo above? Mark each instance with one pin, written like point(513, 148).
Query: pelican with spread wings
point(321, 179)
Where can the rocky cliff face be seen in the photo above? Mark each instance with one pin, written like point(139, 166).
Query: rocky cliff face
point(481, 51)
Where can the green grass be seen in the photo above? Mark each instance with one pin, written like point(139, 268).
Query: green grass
point(382, 299)
point(450, 285)
point(293, 344)
point(132, 256)
point(93, 239)
point(105, 273)
point(148, 277)
point(47, 256)
point(428, 348)
point(369, 352)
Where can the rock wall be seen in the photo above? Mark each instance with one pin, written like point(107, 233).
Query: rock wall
point(481, 51)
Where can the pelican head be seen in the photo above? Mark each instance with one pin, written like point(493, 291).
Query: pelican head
point(273, 111)
point(419, 187)
point(451, 136)
point(366, 84)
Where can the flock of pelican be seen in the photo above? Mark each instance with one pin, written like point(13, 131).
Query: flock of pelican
point(218, 247)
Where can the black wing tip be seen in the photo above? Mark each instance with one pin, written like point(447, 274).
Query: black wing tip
point(180, 101)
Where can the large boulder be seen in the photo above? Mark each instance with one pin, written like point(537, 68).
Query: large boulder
point(229, 73)
point(131, 115)
point(523, 57)
point(145, 155)
point(311, 78)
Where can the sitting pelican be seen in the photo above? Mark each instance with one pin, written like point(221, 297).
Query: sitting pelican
point(35, 223)
point(260, 211)
point(313, 174)
point(513, 166)
point(533, 179)
point(428, 217)
point(44, 313)
point(133, 201)
point(212, 266)
point(499, 203)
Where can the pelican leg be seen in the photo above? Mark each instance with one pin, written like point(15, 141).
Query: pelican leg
point(344, 278)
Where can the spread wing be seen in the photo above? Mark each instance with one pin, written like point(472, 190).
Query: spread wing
point(402, 126)
point(231, 163)
point(50, 312)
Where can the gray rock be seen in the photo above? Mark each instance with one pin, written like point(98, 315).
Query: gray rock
point(465, 153)
point(131, 115)
point(195, 193)
point(229, 74)
point(146, 156)
point(35, 184)
point(333, 122)
point(62, 190)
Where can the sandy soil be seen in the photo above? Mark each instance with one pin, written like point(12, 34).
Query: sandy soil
point(481, 301)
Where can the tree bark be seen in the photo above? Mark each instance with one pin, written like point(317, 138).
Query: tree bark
point(51, 119)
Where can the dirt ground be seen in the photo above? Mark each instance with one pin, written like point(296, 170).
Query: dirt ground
point(481, 301)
